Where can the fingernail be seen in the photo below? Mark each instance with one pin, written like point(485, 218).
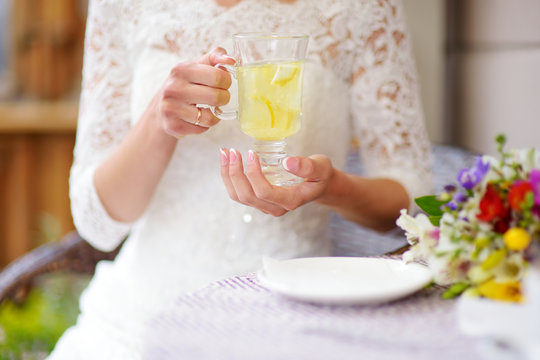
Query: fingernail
point(232, 156)
point(224, 159)
point(251, 156)
point(291, 164)
point(225, 56)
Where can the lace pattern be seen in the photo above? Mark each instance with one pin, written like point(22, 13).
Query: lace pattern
point(103, 122)
point(360, 82)
point(363, 43)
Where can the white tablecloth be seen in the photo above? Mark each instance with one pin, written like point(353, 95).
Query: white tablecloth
point(237, 318)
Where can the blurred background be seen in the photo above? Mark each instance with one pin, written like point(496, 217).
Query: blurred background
point(40, 65)
point(478, 63)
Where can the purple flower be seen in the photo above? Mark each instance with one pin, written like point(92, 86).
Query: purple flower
point(535, 182)
point(460, 197)
point(450, 188)
point(469, 178)
point(451, 205)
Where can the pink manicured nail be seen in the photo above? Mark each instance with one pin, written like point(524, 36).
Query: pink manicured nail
point(224, 159)
point(232, 156)
point(225, 56)
point(291, 164)
point(251, 156)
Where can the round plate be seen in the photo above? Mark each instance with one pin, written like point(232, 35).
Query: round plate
point(343, 280)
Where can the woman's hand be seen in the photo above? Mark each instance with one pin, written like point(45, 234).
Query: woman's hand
point(251, 188)
point(188, 84)
point(126, 180)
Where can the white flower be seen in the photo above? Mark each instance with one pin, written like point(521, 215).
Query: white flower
point(528, 158)
point(420, 233)
point(511, 269)
point(448, 227)
point(415, 227)
point(440, 269)
point(492, 174)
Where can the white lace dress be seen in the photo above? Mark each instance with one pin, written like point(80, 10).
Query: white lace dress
point(360, 82)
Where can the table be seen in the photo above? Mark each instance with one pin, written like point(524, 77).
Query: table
point(237, 318)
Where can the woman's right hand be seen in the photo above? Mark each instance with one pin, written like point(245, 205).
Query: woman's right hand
point(126, 180)
point(189, 84)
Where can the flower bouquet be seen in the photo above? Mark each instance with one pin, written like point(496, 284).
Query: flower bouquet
point(477, 236)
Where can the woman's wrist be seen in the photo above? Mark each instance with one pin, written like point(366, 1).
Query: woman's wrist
point(338, 189)
point(151, 125)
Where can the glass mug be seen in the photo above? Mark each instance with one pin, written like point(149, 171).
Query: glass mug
point(269, 69)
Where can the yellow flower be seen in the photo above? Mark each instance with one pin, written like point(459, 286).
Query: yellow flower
point(494, 259)
point(478, 274)
point(516, 238)
point(504, 291)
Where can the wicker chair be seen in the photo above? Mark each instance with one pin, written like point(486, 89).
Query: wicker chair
point(71, 254)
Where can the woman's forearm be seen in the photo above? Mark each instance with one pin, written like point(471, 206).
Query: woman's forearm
point(127, 179)
point(372, 202)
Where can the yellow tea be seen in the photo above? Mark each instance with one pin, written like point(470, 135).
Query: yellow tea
point(270, 99)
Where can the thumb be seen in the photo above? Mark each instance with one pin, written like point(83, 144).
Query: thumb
point(314, 168)
point(216, 56)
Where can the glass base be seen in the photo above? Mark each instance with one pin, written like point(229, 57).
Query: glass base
point(271, 155)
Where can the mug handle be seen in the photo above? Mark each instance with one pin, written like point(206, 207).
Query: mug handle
point(230, 114)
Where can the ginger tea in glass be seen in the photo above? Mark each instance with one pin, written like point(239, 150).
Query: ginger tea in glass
point(269, 68)
point(270, 99)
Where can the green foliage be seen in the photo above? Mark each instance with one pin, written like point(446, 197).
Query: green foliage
point(500, 139)
point(31, 330)
point(431, 205)
point(455, 290)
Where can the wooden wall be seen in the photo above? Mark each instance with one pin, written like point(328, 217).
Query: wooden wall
point(34, 172)
point(38, 122)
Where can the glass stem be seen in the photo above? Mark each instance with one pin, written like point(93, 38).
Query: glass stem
point(271, 155)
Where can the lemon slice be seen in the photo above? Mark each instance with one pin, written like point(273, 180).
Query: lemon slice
point(284, 74)
point(272, 116)
point(264, 103)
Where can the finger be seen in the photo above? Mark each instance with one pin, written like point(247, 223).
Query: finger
point(224, 158)
point(202, 117)
point(243, 188)
point(200, 94)
point(313, 168)
point(180, 128)
point(173, 115)
point(216, 56)
point(196, 94)
point(210, 76)
point(200, 74)
point(276, 195)
point(175, 110)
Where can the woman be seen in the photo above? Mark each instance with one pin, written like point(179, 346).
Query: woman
point(147, 159)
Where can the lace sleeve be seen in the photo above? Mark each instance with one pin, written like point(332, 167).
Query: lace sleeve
point(103, 122)
point(386, 106)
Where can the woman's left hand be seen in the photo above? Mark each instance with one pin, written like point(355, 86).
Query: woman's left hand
point(251, 188)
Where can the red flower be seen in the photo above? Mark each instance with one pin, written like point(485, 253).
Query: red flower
point(492, 207)
point(517, 194)
point(501, 225)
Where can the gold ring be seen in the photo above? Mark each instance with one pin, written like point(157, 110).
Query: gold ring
point(196, 123)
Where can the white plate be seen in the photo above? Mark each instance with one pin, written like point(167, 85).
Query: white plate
point(343, 280)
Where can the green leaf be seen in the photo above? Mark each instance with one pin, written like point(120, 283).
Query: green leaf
point(494, 259)
point(455, 290)
point(435, 220)
point(500, 139)
point(529, 201)
point(430, 204)
point(455, 254)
